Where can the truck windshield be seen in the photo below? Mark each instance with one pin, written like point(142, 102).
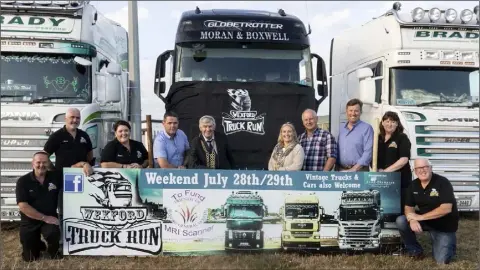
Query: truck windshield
point(358, 214)
point(243, 65)
point(301, 211)
point(422, 86)
point(46, 78)
point(238, 211)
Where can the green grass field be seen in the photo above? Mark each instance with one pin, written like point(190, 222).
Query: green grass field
point(467, 257)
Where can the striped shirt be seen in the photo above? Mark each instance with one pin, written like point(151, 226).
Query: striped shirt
point(318, 148)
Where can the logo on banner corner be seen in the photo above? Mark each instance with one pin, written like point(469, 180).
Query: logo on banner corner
point(114, 221)
point(241, 117)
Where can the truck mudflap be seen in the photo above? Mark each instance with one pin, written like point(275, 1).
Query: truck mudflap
point(244, 240)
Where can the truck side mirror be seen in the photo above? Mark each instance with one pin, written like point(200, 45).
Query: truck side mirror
point(114, 69)
point(113, 89)
point(366, 85)
point(159, 86)
point(322, 87)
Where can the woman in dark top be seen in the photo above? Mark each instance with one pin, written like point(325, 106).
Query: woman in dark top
point(123, 152)
point(394, 151)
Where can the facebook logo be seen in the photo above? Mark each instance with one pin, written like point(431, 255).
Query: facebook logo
point(73, 183)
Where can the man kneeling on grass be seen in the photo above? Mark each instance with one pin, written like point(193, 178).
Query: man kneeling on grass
point(438, 214)
point(37, 197)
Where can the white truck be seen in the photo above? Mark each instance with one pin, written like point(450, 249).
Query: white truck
point(56, 55)
point(359, 217)
point(424, 66)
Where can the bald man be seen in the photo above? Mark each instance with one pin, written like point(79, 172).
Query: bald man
point(37, 195)
point(72, 146)
point(437, 214)
point(319, 145)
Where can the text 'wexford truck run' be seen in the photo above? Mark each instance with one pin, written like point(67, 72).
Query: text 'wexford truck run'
point(244, 212)
point(424, 66)
point(56, 55)
point(250, 70)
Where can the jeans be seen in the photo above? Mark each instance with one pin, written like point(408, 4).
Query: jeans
point(443, 243)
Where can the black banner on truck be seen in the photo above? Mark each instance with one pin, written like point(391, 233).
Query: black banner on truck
point(250, 114)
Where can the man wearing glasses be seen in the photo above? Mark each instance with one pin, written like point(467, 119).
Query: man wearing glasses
point(437, 214)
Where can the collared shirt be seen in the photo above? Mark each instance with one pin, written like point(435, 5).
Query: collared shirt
point(391, 151)
point(438, 191)
point(212, 142)
point(114, 151)
point(318, 149)
point(68, 150)
point(42, 197)
point(355, 146)
point(170, 148)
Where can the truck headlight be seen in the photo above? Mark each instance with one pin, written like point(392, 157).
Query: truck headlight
point(466, 15)
point(414, 117)
point(230, 234)
point(316, 237)
point(257, 235)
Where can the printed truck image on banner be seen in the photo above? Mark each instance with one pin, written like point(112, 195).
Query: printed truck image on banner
point(106, 214)
point(196, 212)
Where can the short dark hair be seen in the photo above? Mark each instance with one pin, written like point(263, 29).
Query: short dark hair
point(121, 123)
point(353, 102)
point(393, 116)
point(169, 114)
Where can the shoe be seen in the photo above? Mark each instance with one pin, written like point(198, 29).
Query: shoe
point(404, 252)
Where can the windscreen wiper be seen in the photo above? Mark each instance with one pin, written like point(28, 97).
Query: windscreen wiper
point(436, 102)
point(38, 100)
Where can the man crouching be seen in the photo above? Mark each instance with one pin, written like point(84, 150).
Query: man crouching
point(37, 198)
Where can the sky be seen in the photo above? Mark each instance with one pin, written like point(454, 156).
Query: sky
point(158, 22)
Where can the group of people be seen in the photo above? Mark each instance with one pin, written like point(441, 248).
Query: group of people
point(40, 192)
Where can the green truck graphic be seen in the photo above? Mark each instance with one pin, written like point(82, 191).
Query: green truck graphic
point(244, 212)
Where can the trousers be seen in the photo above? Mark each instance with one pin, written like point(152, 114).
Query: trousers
point(444, 244)
point(30, 238)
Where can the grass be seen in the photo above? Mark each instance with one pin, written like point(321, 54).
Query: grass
point(467, 257)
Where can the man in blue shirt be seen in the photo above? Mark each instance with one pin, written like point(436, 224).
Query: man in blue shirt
point(171, 144)
point(355, 140)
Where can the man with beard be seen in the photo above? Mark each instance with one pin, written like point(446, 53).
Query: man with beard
point(37, 197)
point(72, 148)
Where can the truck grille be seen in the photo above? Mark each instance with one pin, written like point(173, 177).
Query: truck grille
point(456, 142)
point(243, 235)
point(37, 131)
point(302, 226)
point(17, 166)
point(358, 230)
point(302, 234)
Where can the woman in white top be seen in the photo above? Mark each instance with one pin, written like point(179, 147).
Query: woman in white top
point(288, 154)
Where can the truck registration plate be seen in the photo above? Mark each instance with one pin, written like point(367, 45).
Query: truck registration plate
point(465, 202)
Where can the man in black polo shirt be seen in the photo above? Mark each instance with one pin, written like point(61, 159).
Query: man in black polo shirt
point(72, 148)
point(71, 145)
point(37, 197)
point(437, 214)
